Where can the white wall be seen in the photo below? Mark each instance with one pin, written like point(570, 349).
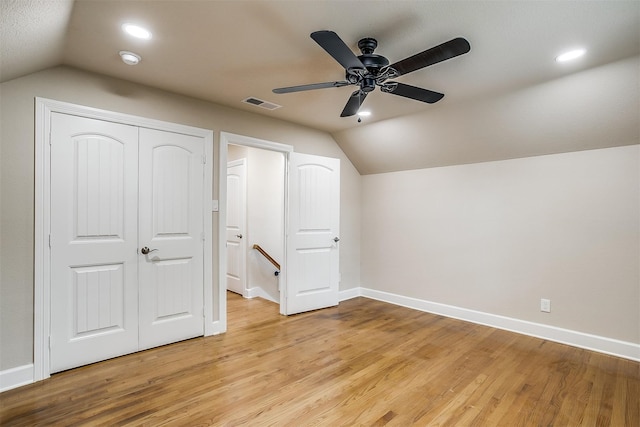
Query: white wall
point(497, 237)
point(71, 85)
point(265, 218)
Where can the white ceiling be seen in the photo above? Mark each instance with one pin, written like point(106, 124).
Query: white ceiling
point(226, 51)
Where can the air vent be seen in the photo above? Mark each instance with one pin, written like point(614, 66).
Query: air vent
point(260, 103)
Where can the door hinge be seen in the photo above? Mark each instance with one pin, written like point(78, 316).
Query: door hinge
point(49, 241)
point(204, 159)
point(49, 342)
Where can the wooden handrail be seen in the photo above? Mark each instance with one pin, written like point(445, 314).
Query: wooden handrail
point(267, 256)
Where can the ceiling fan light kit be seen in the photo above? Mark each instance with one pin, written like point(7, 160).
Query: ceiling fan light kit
point(369, 70)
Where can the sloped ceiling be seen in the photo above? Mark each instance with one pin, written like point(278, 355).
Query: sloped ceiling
point(32, 35)
point(506, 98)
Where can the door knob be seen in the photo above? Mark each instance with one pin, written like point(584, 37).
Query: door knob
point(336, 239)
point(239, 236)
point(146, 250)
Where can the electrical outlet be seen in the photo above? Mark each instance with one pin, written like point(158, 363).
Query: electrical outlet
point(545, 305)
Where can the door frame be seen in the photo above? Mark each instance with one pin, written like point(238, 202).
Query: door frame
point(227, 138)
point(42, 227)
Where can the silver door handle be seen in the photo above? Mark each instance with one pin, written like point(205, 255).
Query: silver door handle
point(336, 239)
point(239, 236)
point(146, 250)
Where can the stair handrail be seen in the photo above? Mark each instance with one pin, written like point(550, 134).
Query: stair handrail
point(269, 258)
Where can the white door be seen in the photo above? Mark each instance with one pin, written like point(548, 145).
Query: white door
point(314, 228)
point(171, 227)
point(236, 226)
point(113, 187)
point(94, 265)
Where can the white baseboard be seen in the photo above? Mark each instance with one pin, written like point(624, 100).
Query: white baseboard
point(23, 375)
point(597, 343)
point(16, 377)
point(215, 328)
point(349, 293)
point(259, 292)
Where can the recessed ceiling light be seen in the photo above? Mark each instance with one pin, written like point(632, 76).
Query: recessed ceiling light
point(364, 113)
point(570, 55)
point(129, 58)
point(136, 31)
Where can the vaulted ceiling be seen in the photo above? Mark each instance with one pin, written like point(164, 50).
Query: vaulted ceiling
point(506, 98)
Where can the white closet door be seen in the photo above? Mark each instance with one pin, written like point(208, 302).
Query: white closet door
point(114, 190)
point(313, 273)
point(171, 226)
point(94, 214)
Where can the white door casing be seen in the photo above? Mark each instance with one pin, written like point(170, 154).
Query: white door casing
point(87, 217)
point(94, 196)
point(236, 235)
point(313, 233)
point(171, 167)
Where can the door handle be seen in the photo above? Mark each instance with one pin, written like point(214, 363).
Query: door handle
point(146, 250)
point(239, 236)
point(336, 239)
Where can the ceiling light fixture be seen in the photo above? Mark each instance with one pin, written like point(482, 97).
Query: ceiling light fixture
point(136, 31)
point(570, 55)
point(129, 58)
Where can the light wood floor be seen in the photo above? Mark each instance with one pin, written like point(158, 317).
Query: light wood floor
point(362, 363)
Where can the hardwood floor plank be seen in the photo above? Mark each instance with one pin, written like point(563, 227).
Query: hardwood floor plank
point(361, 363)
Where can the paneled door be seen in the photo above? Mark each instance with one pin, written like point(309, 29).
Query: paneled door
point(236, 226)
point(94, 266)
point(314, 228)
point(171, 232)
point(114, 190)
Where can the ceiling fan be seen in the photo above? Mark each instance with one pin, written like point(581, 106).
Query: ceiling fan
point(370, 70)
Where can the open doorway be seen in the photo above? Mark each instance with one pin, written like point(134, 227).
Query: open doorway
point(309, 270)
point(255, 221)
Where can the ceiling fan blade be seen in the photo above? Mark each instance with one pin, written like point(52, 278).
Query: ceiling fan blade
point(335, 47)
point(354, 103)
point(408, 91)
point(447, 50)
point(310, 87)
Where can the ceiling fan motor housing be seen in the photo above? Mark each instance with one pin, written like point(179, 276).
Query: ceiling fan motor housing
point(374, 63)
